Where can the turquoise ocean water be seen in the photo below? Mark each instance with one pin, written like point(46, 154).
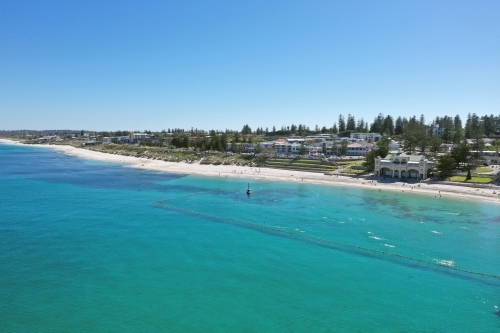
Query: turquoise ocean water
point(84, 248)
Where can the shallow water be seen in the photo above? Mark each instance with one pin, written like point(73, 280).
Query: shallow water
point(84, 247)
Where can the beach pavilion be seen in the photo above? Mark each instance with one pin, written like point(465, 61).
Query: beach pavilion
point(401, 165)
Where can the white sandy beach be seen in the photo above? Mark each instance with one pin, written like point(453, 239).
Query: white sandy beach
point(490, 194)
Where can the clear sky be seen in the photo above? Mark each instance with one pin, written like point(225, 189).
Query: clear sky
point(135, 65)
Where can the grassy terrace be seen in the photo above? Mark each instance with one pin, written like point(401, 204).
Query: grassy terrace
point(481, 175)
point(216, 158)
point(164, 154)
point(350, 167)
point(348, 162)
point(483, 170)
point(300, 165)
point(353, 171)
point(482, 180)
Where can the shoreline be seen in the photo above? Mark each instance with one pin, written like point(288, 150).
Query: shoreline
point(439, 191)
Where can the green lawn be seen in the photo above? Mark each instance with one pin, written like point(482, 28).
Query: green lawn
point(353, 171)
point(350, 162)
point(307, 161)
point(482, 170)
point(298, 164)
point(472, 180)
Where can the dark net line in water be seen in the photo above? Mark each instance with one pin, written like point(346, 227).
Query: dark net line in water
point(313, 238)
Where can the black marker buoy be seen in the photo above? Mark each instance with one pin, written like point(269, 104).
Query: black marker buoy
point(249, 191)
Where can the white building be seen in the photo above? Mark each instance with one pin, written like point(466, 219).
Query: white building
point(321, 137)
point(295, 140)
point(267, 145)
point(374, 137)
point(138, 136)
point(286, 148)
point(401, 165)
point(314, 151)
point(359, 149)
point(489, 157)
point(485, 141)
point(108, 140)
point(292, 146)
point(250, 147)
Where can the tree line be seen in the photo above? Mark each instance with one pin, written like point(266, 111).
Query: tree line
point(416, 134)
point(451, 129)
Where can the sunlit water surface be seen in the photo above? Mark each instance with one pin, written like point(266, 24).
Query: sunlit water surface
point(84, 248)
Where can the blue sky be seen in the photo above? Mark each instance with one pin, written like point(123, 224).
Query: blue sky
point(135, 65)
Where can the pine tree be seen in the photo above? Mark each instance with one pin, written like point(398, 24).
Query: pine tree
point(399, 126)
point(342, 125)
point(435, 142)
point(468, 127)
point(234, 147)
point(383, 147)
point(445, 165)
point(246, 130)
point(223, 142)
point(302, 150)
point(186, 141)
point(335, 129)
point(457, 129)
point(414, 135)
point(388, 127)
point(236, 137)
point(422, 119)
point(378, 124)
point(343, 147)
point(351, 123)
point(360, 127)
